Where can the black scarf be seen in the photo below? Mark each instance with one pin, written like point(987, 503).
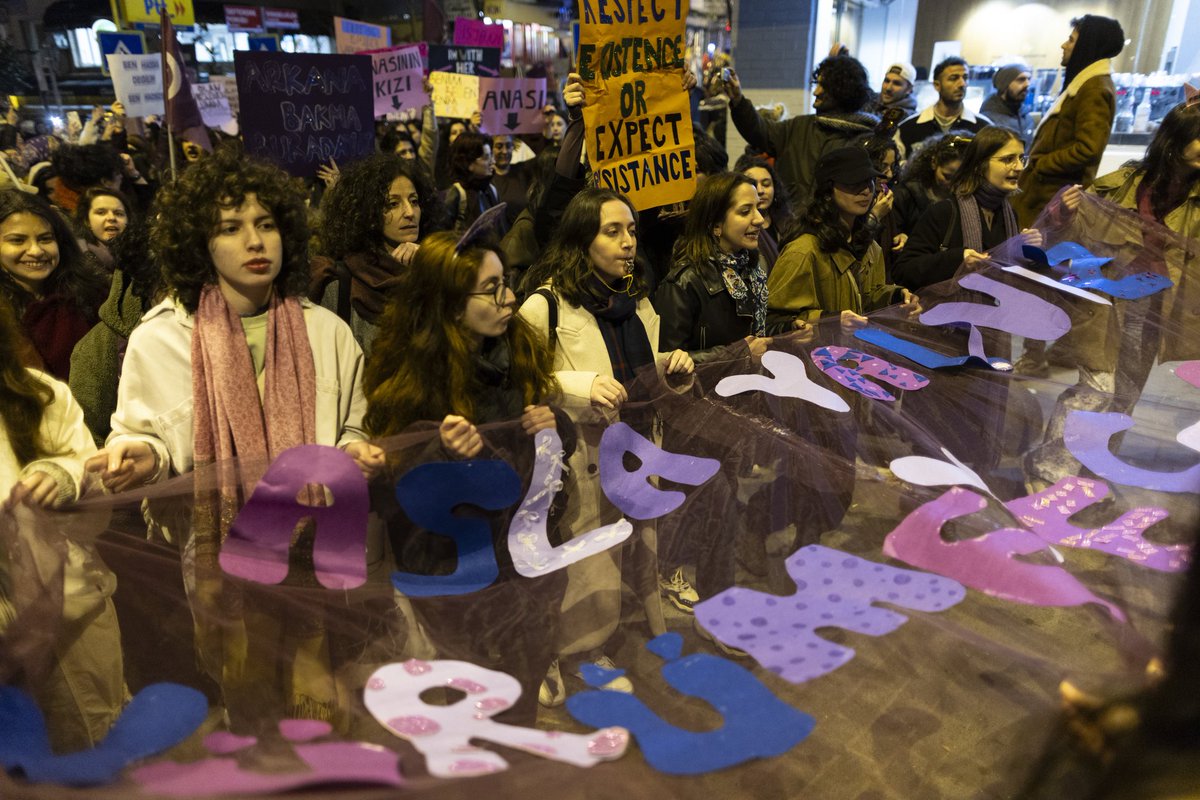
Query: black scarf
point(623, 332)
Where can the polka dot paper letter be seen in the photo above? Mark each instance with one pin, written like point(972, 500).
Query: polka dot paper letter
point(443, 733)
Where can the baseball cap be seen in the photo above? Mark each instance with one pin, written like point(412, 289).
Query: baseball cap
point(905, 70)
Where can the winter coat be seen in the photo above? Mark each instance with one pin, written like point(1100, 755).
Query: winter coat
point(1000, 112)
point(919, 127)
point(808, 283)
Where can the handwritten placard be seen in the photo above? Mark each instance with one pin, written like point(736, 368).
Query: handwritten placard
point(455, 95)
point(482, 61)
point(639, 123)
point(512, 105)
point(353, 36)
point(475, 33)
point(399, 79)
point(300, 110)
point(137, 83)
point(214, 106)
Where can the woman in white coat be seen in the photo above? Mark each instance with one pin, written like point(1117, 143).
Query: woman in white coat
point(590, 302)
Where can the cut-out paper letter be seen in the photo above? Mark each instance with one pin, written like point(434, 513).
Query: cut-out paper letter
point(257, 546)
point(1190, 372)
point(1127, 287)
point(791, 380)
point(328, 763)
point(833, 589)
point(830, 360)
point(630, 491)
point(924, 471)
point(158, 717)
point(1086, 435)
point(1046, 280)
point(528, 542)
point(924, 356)
point(1047, 513)
point(429, 494)
point(757, 724)
point(1018, 312)
point(985, 563)
point(443, 733)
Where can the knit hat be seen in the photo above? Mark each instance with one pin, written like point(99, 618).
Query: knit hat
point(1007, 74)
point(904, 70)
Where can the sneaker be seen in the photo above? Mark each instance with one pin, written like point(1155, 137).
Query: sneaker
point(552, 692)
point(617, 684)
point(717, 643)
point(679, 591)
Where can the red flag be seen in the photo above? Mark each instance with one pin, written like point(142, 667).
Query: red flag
point(182, 113)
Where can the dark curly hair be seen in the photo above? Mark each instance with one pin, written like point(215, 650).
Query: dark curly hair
point(463, 152)
point(186, 214)
point(73, 280)
point(823, 219)
point(947, 63)
point(877, 148)
point(844, 81)
point(131, 254)
point(352, 213)
point(83, 224)
point(782, 213)
point(974, 170)
point(422, 364)
point(81, 166)
point(707, 210)
point(566, 262)
point(937, 151)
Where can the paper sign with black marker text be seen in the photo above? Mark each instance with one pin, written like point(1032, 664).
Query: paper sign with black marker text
point(512, 105)
point(399, 79)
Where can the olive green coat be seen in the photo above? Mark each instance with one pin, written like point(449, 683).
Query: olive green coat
point(808, 284)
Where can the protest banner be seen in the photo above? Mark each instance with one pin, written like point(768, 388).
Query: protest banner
point(475, 33)
point(137, 83)
point(512, 105)
point(638, 119)
point(214, 106)
point(353, 36)
point(303, 109)
point(455, 95)
point(482, 61)
point(228, 84)
point(399, 79)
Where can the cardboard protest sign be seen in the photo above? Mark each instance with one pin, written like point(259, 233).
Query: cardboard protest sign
point(228, 84)
point(353, 36)
point(303, 109)
point(482, 61)
point(512, 105)
point(476, 33)
point(137, 83)
point(399, 79)
point(639, 122)
point(455, 95)
point(214, 106)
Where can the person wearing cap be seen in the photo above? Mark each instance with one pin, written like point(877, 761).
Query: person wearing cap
point(1070, 140)
point(1006, 107)
point(834, 266)
point(949, 113)
point(897, 89)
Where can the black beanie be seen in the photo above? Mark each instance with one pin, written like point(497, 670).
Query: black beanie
point(1099, 37)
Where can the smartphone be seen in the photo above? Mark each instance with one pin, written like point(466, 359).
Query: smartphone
point(725, 75)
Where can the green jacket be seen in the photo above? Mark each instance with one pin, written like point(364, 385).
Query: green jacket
point(807, 283)
point(1121, 187)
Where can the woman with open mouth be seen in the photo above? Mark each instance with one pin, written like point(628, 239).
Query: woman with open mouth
point(101, 216)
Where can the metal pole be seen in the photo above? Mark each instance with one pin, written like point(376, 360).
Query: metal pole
point(171, 150)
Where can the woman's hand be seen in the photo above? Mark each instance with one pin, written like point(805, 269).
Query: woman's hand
point(460, 438)
point(899, 242)
point(572, 93)
point(679, 363)
point(803, 331)
point(405, 251)
point(883, 205)
point(36, 489)
point(476, 121)
point(1032, 237)
point(538, 418)
point(758, 345)
point(689, 79)
point(1072, 198)
point(852, 322)
point(608, 392)
point(369, 458)
point(910, 303)
point(733, 86)
point(329, 173)
point(124, 465)
point(975, 259)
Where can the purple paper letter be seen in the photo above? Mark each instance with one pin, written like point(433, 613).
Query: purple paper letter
point(630, 491)
point(1018, 312)
point(1086, 436)
point(827, 360)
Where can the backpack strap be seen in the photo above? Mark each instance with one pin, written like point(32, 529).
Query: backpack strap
point(460, 208)
point(953, 224)
point(552, 302)
point(343, 293)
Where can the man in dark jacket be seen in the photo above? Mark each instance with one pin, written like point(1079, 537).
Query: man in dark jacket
point(897, 90)
point(1070, 140)
point(1007, 106)
point(841, 91)
point(947, 114)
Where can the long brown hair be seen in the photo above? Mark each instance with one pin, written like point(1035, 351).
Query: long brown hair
point(976, 155)
point(23, 398)
point(422, 363)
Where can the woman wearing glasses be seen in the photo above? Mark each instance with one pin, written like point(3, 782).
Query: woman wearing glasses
point(590, 303)
point(961, 230)
point(834, 266)
point(451, 354)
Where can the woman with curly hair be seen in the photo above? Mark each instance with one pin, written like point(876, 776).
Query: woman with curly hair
point(235, 363)
point(43, 446)
point(834, 265)
point(926, 178)
point(101, 215)
point(773, 203)
point(372, 223)
point(44, 275)
point(472, 193)
point(451, 353)
point(590, 303)
point(961, 230)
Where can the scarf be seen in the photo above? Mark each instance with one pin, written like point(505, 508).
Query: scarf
point(238, 629)
point(971, 218)
point(622, 330)
point(372, 277)
point(745, 278)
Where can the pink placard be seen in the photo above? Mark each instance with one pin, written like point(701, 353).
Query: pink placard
point(512, 105)
point(473, 33)
point(399, 75)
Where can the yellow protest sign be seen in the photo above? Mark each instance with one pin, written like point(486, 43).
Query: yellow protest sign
point(637, 114)
point(455, 95)
point(181, 12)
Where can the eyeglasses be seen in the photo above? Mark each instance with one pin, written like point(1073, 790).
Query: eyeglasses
point(1013, 160)
point(499, 294)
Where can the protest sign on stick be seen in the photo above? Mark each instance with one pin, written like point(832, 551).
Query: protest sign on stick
point(638, 119)
point(399, 79)
point(512, 105)
point(137, 83)
point(455, 95)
